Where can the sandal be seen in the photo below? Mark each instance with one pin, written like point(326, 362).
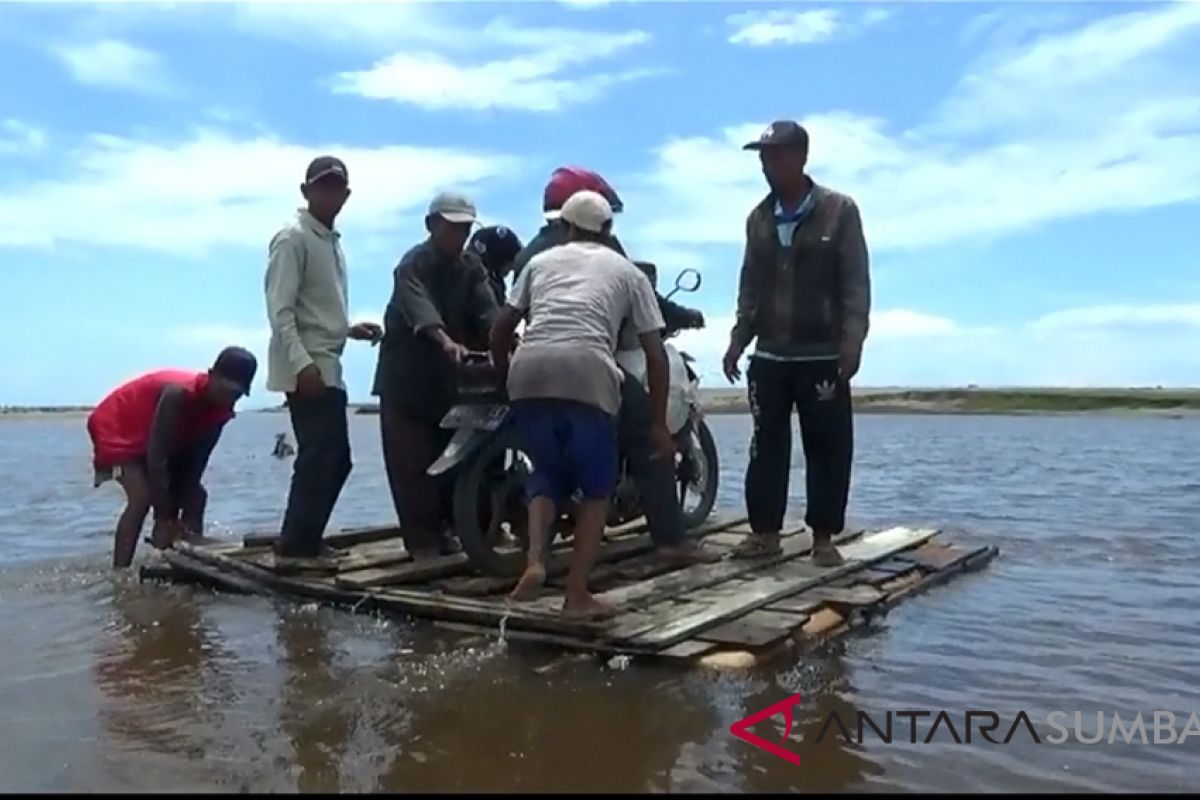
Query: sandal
point(758, 545)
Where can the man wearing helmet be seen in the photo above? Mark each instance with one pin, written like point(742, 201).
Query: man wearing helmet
point(498, 248)
point(654, 478)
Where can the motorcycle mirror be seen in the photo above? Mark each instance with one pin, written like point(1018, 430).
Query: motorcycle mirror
point(687, 281)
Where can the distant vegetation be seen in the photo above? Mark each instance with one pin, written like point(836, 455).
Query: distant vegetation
point(970, 400)
point(993, 401)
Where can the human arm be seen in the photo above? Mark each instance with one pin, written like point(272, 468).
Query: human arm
point(648, 323)
point(502, 337)
point(285, 267)
point(163, 430)
point(413, 297)
point(677, 317)
point(855, 296)
point(747, 310)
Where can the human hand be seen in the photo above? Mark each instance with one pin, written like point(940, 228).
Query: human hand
point(848, 364)
point(729, 363)
point(309, 381)
point(454, 351)
point(662, 442)
point(366, 332)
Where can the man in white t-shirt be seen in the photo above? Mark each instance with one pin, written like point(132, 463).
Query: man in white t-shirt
point(565, 385)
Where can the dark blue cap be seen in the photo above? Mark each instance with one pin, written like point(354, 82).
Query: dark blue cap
point(238, 366)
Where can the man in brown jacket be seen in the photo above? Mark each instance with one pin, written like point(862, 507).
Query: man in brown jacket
point(804, 293)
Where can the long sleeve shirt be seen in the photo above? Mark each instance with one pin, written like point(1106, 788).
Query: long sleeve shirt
point(307, 303)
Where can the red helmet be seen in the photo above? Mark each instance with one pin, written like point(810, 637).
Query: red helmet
point(566, 181)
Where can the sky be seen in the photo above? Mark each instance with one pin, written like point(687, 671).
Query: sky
point(1028, 173)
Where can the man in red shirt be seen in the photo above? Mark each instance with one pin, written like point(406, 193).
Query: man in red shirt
point(154, 436)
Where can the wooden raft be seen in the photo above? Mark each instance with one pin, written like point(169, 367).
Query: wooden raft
point(736, 613)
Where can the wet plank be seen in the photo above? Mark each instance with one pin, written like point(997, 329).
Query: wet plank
point(344, 538)
point(408, 571)
point(933, 556)
point(701, 576)
point(861, 595)
point(692, 648)
point(756, 629)
point(720, 605)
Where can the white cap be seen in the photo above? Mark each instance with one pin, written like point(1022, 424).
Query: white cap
point(588, 211)
point(453, 207)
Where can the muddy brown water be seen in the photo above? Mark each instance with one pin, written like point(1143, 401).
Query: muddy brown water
point(1092, 606)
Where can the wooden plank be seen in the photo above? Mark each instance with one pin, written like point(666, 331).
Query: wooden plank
point(692, 648)
point(776, 583)
point(895, 566)
point(969, 560)
point(933, 556)
point(408, 571)
point(484, 613)
point(862, 595)
point(344, 538)
point(701, 576)
point(797, 604)
point(616, 548)
point(756, 629)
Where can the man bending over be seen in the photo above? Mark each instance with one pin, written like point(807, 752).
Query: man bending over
point(565, 385)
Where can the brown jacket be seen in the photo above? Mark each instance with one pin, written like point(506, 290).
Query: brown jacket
point(814, 298)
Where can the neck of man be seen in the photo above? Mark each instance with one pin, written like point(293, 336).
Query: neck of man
point(791, 196)
point(325, 219)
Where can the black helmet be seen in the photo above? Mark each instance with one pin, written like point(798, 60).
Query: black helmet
point(497, 246)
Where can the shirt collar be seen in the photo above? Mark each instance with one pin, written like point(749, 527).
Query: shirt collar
point(316, 226)
point(802, 209)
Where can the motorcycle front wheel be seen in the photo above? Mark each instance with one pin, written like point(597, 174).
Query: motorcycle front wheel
point(698, 473)
point(489, 496)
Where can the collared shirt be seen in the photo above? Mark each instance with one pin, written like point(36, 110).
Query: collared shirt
point(786, 224)
point(307, 303)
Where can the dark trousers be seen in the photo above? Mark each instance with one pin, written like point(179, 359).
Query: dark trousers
point(410, 446)
point(822, 401)
point(320, 471)
point(653, 477)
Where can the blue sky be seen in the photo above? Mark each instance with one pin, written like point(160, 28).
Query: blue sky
point(1028, 173)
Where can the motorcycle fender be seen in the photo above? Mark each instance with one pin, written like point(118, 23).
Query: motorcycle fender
point(464, 443)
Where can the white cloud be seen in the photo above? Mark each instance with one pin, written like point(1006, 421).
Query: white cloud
point(214, 189)
point(19, 138)
point(542, 76)
point(1101, 118)
point(115, 64)
point(790, 27)
point(1121, 316)
point(1084, 347)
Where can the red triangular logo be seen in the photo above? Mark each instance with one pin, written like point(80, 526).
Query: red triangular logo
point(740, 729)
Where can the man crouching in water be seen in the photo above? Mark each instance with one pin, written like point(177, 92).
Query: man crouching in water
point(565, 385)
point(154, 436)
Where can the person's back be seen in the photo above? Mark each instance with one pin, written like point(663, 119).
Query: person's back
point(577, 295)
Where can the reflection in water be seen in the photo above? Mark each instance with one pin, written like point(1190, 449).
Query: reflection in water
point(151, 670)
point(313, 714)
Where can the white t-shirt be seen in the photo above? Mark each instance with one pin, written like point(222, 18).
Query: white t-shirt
point(577, 296)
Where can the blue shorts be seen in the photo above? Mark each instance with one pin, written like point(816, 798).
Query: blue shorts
point(573, 446)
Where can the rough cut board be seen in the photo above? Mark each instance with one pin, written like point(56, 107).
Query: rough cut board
point(716, 606)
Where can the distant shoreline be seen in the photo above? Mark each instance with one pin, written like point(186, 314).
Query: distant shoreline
point(949, 401)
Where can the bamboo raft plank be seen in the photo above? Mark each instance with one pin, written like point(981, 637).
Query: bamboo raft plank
point(739, 613)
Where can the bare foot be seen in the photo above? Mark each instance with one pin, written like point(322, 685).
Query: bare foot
point(826, 555)
point(529, 584)
point(585, 606)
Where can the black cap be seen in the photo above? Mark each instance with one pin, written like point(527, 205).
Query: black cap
point(497, 246)
point(781, 133)
point(325, 165)
point(238, 366)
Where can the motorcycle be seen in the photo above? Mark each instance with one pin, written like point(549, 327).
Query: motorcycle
point(489, 503)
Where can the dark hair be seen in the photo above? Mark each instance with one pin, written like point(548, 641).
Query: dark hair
point(577, 234)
